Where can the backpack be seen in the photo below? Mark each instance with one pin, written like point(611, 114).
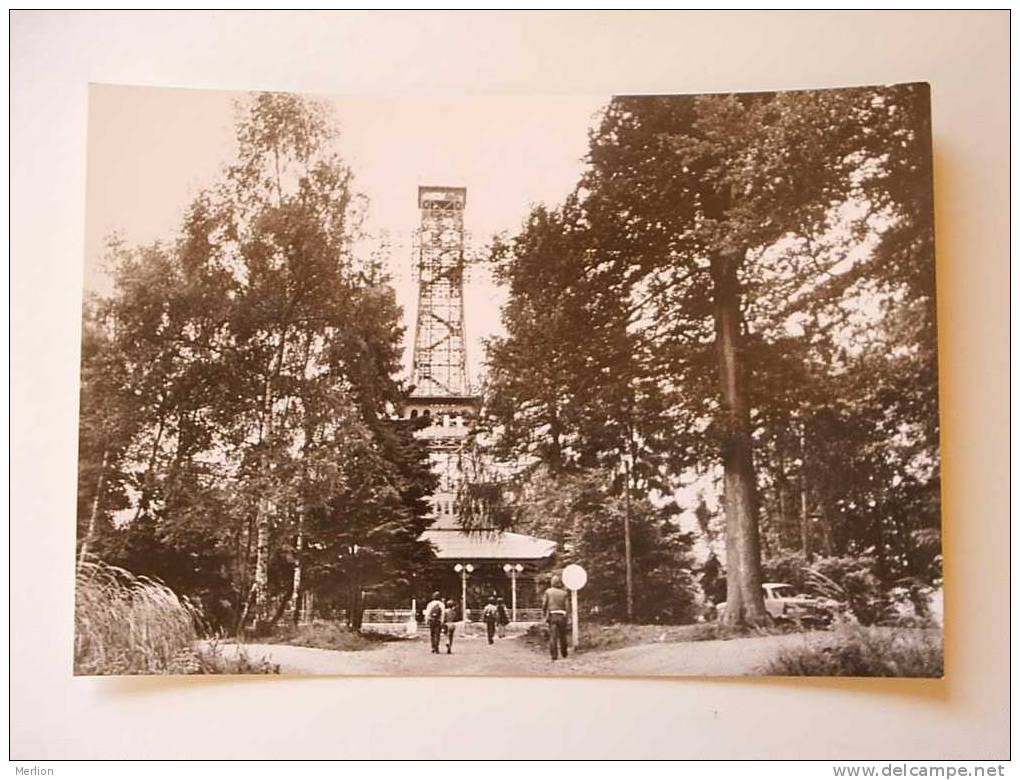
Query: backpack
point(435, 613)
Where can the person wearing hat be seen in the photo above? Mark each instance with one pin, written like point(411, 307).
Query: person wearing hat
point(554, 610)
point(434, 619)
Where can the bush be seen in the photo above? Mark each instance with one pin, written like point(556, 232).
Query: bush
point(210, 659)
point(855, 651)
point(329, 635)
point(789, 566)
point(911, 604)
point(851, 580)
point(847, 579)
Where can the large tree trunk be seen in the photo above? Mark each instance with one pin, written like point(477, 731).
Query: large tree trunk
point(744, 602)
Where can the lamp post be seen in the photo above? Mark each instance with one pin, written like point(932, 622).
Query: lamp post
point(513, 569)
point(464, 570)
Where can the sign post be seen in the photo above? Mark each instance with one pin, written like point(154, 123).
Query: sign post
point(575, 578)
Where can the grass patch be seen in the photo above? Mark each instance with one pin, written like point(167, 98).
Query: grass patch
point(327, 635)
point(856, 651)
point(210, 659)
point(611, 636)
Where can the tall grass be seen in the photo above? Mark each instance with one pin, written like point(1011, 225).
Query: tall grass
point(857, 651)
point(125, 624)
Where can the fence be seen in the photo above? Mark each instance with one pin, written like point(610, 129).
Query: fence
point(523, 615)
point(379, 616)
point(387, 616)
point(401, 617)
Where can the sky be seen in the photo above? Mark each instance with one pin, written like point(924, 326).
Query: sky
point(151, 150)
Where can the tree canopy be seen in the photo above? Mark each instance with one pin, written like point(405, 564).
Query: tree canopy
point(238, 386)
point(739, 292)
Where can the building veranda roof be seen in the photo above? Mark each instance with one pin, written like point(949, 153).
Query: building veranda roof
point(454, 544)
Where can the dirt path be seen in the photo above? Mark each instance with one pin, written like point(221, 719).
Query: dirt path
point(714, 658)
point(472, 655)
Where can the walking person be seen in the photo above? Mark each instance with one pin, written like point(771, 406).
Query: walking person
point(502, 618)
point(434, 619)
point(489, 616)
point(450, 618)
point(554, 610)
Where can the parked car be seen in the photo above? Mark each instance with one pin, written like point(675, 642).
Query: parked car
point(784, 604)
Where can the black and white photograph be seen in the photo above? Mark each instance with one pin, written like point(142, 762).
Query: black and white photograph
point(594, 385)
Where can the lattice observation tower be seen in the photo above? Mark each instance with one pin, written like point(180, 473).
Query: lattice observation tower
point(441, 392)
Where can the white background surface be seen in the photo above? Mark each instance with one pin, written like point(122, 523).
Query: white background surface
point(55, 55)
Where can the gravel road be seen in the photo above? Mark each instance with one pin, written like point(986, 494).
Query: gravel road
point(472, 655)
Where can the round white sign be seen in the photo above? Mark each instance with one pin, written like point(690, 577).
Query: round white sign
point(574, 577)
